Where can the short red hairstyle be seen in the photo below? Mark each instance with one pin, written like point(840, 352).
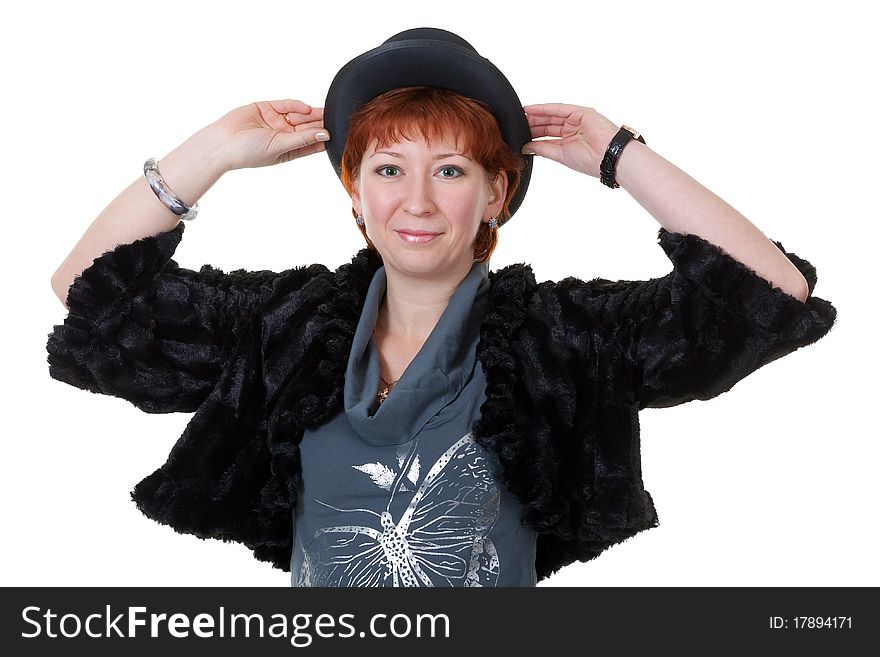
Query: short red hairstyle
point(433, 113)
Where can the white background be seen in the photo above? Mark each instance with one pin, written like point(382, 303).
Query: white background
point(769, 104)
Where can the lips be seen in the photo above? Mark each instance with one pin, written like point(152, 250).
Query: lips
point(413, 231)
point(417, 236)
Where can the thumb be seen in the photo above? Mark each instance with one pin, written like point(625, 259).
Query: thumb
point(548, 148)
point(294, 141)
point(321, 134)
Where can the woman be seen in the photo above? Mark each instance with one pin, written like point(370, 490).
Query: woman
point(413, 418)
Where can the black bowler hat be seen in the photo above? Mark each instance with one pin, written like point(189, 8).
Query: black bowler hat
point(433, 57)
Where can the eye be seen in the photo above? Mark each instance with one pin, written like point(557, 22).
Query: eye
point(385, 168)
point(453, 169)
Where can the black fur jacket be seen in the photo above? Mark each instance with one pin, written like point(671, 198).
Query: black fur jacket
point(258, 356)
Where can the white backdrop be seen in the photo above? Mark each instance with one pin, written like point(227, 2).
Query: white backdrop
point(768, 104)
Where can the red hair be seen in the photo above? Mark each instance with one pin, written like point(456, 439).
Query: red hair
point(434, 113)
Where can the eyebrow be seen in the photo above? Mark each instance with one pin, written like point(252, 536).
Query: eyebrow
point(436, 157)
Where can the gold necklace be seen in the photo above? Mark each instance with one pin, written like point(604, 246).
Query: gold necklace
point(386, 386)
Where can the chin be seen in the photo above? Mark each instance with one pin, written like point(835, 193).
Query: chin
point(420, 264)
point(417, 263)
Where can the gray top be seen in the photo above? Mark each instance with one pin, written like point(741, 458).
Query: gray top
point(399, 494)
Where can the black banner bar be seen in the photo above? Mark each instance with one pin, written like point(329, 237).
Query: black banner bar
point(105, 621)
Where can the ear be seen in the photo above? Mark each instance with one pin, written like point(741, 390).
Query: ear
point(356, 201)
point(497, 193)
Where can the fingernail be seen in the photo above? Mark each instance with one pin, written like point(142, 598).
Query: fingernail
point(322, 136)
point(528, 151)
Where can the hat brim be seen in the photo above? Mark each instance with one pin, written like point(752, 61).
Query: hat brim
point(432, 63)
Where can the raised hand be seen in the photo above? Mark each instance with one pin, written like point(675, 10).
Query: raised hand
point(582, 135)
point(270, 132)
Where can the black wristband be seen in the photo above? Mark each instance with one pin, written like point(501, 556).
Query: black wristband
point(608, 168)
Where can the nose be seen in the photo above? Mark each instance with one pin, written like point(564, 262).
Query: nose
point(419, 198)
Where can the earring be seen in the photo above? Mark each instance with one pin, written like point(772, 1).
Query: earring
point(493, 222)
point(360, 220)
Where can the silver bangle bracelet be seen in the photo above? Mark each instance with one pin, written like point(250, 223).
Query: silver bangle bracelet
point(168, 198)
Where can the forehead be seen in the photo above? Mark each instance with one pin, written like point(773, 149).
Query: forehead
point(415, 143)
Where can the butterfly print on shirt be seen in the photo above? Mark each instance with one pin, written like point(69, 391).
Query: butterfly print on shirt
point(442, 538)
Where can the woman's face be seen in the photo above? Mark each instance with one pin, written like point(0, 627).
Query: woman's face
point(405, 188)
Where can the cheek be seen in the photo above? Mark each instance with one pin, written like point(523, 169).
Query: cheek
point(468, 210)
point(374, 201)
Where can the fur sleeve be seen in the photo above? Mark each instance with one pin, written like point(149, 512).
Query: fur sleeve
point(694, 333)
point(141, 328)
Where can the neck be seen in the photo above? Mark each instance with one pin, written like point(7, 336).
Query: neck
point(413, 306)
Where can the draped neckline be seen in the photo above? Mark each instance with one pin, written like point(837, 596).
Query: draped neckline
point(432, 380)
